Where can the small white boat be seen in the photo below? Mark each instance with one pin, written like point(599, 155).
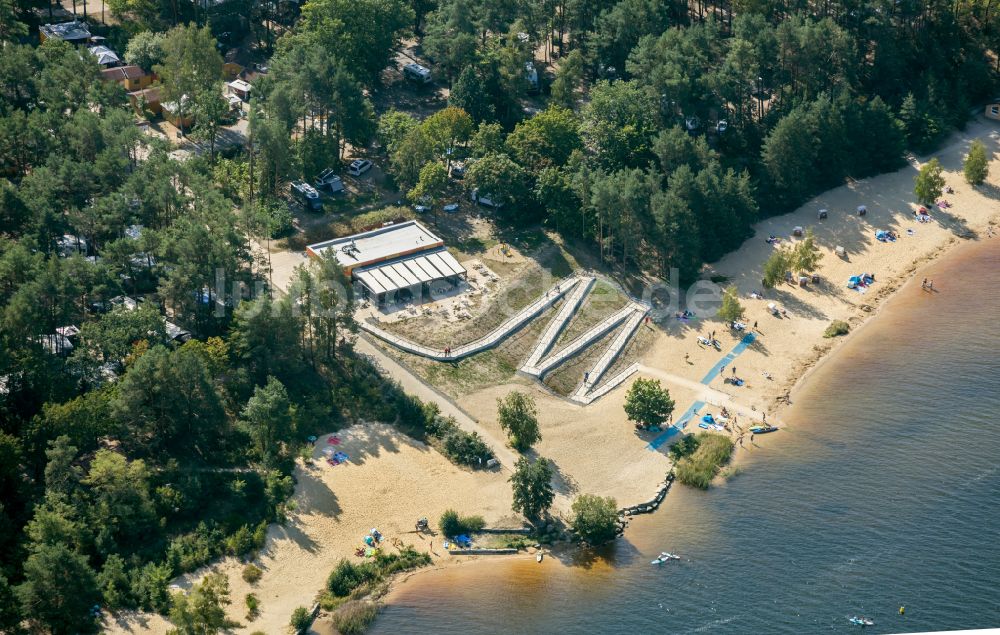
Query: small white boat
point(665, 557)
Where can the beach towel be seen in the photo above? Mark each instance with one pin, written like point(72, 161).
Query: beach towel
point(704, 425)
point(332, 440)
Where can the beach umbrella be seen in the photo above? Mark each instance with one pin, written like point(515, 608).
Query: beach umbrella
point(311, 438)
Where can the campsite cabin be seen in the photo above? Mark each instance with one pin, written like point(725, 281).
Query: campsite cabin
point(132, 78)
point(105, 57)
point(823, 213)
point(172, 113)
point(74, 32)
point(239, 88)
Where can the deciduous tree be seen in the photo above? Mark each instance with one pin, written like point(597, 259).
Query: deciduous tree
point(595, 518)
point(532, 487)
point(519, 419)
point(648, 404)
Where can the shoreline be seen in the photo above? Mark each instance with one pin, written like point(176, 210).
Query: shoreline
point(392, 479)
point(897, 286)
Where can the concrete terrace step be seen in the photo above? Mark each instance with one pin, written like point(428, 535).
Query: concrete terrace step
point(559, 322)
point(489, 340)
point(581, 342)
point(614, 350)
point(606, 387)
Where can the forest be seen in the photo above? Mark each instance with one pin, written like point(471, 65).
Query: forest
point(662, 131)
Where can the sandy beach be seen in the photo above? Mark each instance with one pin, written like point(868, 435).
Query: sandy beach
point(391, 480)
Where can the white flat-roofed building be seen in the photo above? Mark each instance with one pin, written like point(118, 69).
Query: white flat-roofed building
point(404, 257)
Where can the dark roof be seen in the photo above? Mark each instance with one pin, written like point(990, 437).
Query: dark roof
point(119, 73)
point(69, 31)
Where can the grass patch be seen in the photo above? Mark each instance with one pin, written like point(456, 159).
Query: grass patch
point(489, 368)
point(701, 460)
point(350, 580)
point(603, 300)
point(837, 328)
point(504, 541)
point(354, 617)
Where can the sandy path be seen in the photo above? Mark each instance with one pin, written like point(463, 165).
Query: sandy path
point(389, 482)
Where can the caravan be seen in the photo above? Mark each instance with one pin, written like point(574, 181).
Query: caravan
point(417, 74)
point(307, 195)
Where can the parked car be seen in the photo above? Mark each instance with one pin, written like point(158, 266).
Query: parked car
point(307, 195)
point(421, 209)
point(329, 180)
point(485, 199)
point(450, 208)
point(458, 170)
point(417, 74)
point(359, 167)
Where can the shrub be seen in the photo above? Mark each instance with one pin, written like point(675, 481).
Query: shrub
point(408, 558)
point(684, 447)
point(594, 518)
point(451, 524)
point(461, 447)
point(836, 328)
point(354, 618)
point(252, 573)
point(240, 542)
point(301, 619)
point(253, 606)
point(700, 467)
point(348, 576)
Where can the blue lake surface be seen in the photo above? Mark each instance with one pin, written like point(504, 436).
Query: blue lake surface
point(881, 490)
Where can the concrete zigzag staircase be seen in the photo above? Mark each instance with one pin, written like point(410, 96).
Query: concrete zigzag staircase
point(557, 325)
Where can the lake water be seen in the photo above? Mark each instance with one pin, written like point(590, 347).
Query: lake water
point(881, 490)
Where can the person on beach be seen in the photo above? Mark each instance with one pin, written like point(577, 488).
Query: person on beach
point(687, 358)
point(723, 369)
point(734, 371)
point(923, 285)
point(755, 325)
